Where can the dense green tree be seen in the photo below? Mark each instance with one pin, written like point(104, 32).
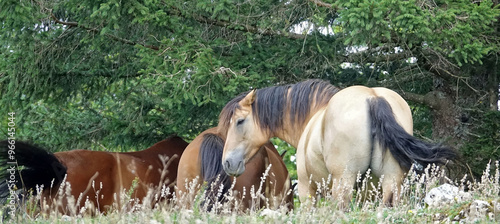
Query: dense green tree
point(124, 74)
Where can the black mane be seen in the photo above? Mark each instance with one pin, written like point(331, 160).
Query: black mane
point(272, 103)
point(210, 157)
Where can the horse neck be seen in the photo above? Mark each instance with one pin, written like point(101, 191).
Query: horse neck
point(295, 109)
point(291, 132)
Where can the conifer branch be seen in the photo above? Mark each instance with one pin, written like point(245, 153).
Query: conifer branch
point(123, 40)
point(248, 28)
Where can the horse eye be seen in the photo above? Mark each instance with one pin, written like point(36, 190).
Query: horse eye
point(240, 121)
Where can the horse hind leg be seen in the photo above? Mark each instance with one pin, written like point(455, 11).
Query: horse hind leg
point(391, 176)
point(345, 165)
point(391, 188)
point(342, 189)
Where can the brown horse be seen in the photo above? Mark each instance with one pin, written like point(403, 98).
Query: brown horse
point(202, 159)
point(93, 176)
point(337, 133)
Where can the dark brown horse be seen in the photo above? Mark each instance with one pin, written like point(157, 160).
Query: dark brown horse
point(93, 176)
point(200, 166)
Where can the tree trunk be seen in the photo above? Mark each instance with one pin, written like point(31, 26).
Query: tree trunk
point(445, 118)
point(445, 114)
point(493, 87)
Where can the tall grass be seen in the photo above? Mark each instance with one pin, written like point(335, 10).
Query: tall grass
point(364, 207)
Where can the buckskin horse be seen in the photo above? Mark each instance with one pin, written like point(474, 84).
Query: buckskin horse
point(200, 167)
point(97, 176)
point(337, 133)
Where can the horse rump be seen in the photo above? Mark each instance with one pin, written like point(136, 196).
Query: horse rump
point(405, 148)
point(26, 166)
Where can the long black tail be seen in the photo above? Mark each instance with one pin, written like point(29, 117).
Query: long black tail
point(212, 172)
point(25, 166)
point(405, 148)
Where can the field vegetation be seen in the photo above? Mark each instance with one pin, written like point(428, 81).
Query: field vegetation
point(478, 203)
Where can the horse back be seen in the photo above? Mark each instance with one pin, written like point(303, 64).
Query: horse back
point(173, 147)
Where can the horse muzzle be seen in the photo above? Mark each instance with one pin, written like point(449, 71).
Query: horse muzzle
point(234, 164)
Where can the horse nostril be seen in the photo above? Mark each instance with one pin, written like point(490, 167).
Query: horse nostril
point(227, 164)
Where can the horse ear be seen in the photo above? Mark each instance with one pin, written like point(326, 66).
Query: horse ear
point(248, 100)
